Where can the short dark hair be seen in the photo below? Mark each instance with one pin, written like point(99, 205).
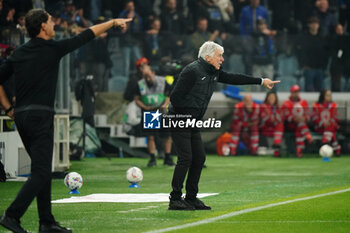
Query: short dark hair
point(313, 19)
point(34, 19)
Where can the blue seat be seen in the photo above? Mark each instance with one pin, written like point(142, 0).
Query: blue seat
point(233, 92)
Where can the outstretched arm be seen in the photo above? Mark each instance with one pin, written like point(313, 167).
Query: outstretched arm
point(98, 29)
point(69, 45)
point(242, 79)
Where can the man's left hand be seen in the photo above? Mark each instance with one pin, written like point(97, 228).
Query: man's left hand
point(268, 83)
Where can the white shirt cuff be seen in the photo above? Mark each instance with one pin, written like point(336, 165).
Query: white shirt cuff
point(262, 81)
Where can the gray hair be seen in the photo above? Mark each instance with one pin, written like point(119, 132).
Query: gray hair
point(208, 49)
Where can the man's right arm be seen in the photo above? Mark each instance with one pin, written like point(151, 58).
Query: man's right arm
point(69, 45)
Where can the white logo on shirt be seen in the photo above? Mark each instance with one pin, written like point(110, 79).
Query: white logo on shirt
point(203, 78)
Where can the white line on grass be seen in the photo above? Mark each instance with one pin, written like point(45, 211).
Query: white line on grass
point(139, 209)
point(244, 211)
point(288, 221)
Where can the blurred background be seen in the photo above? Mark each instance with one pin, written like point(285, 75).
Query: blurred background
point(300, 42)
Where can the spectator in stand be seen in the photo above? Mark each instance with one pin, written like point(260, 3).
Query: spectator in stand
point(303, 10)
point(38, 4)
point(209, 10)
point(21, 23)
point(326, 18)
point(144, 8)
point(172, 19)
point(174, 26)
point(201, 34)
point(245, 121)
point(271, 121)
point(249, 16)
point(96, 60)
point(238, 6)
point(153, 94)
point(154, 43)
point(129, 42)
point(226, 9)
point(296, 115)
point(283, 16)
point(71, 14)
point(8, 17)
point(312, 53)
point(340, 54)
point(182, 5)
point(263, 50)
point(325, 119)
point(344, 14)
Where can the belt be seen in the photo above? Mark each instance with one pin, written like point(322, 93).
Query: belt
point(33, 107)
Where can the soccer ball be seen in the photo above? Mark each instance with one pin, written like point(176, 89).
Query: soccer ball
point(73, 181)
point(134, 175)
point(326, 151)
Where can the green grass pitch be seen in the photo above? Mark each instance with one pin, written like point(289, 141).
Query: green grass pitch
point(242, 183)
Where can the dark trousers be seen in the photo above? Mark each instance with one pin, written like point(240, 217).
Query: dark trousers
point(191, 157)
point(36, 130)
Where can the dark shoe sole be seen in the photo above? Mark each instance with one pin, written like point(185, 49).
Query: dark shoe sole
point(12, 229)
point(170, 208)
point(203, 209)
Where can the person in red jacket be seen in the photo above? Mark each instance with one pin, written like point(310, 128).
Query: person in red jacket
point(245, 118)
point(271, 121)
point(296, 115)
point(325, 119)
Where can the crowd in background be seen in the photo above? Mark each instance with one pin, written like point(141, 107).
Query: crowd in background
point(258, 35)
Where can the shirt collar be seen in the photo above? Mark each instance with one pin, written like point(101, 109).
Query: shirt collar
point(207, 67)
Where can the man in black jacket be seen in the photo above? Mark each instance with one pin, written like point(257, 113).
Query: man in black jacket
point(35, 69)
point(191, 96)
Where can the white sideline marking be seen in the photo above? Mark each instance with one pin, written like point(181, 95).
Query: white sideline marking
point(244, 211)
point(288, 221)
point(139, 209)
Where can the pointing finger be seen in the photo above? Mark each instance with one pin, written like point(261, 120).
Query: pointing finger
point(127, 20)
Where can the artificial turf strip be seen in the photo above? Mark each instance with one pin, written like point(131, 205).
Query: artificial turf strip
point(242, 182)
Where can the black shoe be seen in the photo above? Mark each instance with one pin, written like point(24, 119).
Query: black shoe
point(179, 204)
point(197, 204)
point(169, 162)
point(55, 227)
point(11, 224)
point(152, 163)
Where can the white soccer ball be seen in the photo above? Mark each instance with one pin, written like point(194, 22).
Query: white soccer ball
point(326, 151)
point(134, 175)
point(73, 181)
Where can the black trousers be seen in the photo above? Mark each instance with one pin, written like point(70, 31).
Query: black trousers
point(191, 157)
point(36, 130)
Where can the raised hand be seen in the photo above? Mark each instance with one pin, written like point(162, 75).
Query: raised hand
point(268, 83)
point(121, 22)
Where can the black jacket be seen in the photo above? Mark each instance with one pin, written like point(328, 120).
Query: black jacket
point(196, 84)
point(35, 68)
